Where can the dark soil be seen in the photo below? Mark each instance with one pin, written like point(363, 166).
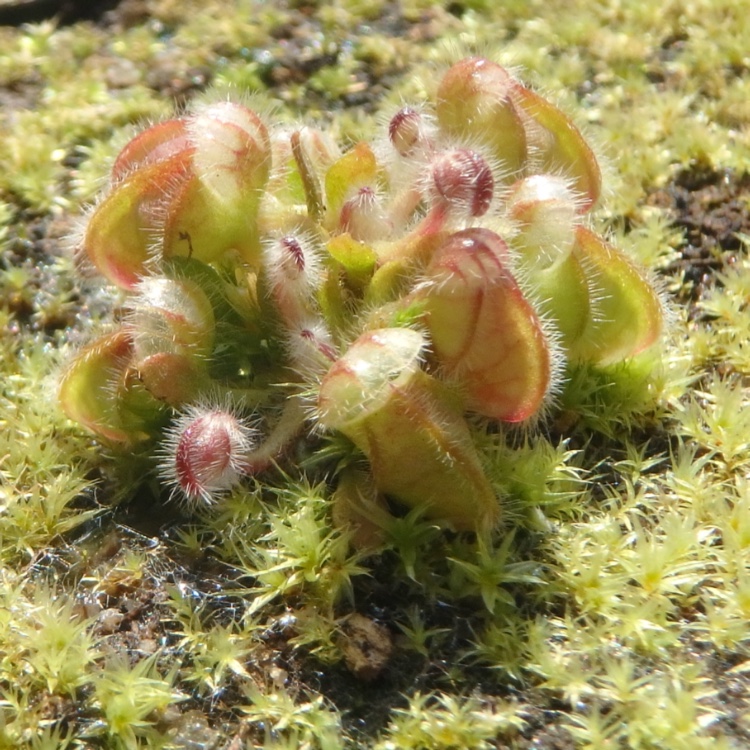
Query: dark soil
point(712, 207)
point(17, 12)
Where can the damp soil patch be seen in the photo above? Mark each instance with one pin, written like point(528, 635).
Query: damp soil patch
point(712, 208)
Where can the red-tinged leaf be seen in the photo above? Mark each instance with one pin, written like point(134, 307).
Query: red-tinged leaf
point(543, 209)
point(484, 331)
point(87, 392)
point(556, 145)
point(420, 452)
point(410, 429)
point(232, 152)
point(171, 315)
point(157, 143)
point(360, 381)
point(121, 230)
point(626, 313)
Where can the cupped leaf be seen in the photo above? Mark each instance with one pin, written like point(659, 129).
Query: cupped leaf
point(173, 377)
point(356, 257)
point(204, 225)
point(361, 381)
point(122, 230)
point(543, 209)
point(357, 168)
point(484, 331)
point(626, 312)
point(564, 294)
point(87, 392)
point(232, 152)
point(172, 315)
point(557, 146)
point(420, 452)
point(157, 143)
point(411, 430)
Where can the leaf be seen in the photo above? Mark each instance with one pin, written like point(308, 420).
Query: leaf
point(484, 332)
point(558, 146)
point(474, 101)
point(119, 234)
point(626, 316)
point(86, 393)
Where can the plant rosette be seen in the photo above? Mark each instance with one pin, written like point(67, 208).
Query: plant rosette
point(279, 288)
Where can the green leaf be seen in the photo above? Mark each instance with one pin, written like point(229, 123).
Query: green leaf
point(626, 314)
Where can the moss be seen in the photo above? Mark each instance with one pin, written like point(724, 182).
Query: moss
point(612, 610)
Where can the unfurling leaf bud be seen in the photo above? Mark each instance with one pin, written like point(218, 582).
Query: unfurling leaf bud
point(484, 332)
point(413, 435)
point(462, 180)
point(204, 453)
point(320, 150)
point(408, 131)
point(364, 217)
point(293, 271)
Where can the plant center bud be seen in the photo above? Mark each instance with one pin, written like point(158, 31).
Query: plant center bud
point(206, 451)
point(292, 254)
point(406, 130)
point(364, 218)
point(463, 179)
